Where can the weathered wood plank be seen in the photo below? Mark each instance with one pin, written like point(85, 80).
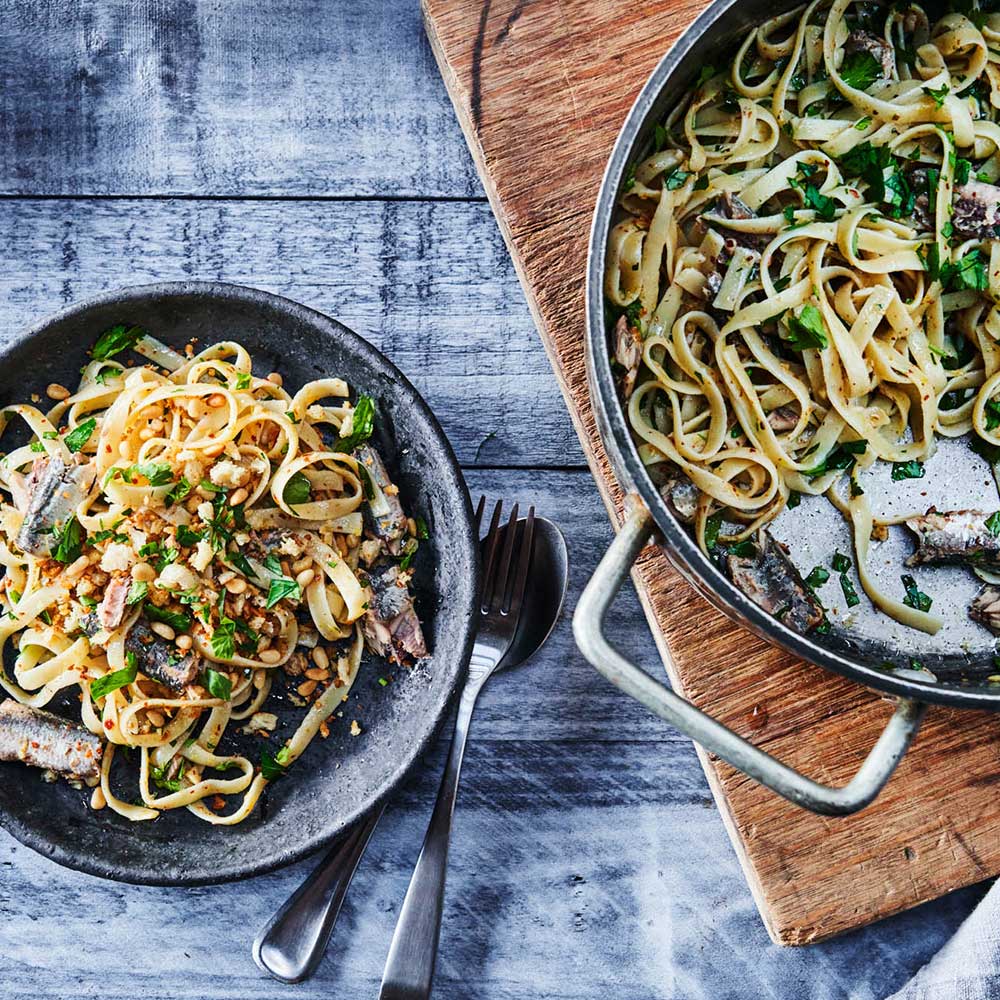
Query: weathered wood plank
point(429, 283)
point(577, 871)
point(295, 97)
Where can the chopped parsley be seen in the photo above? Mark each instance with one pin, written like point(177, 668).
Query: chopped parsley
point(840, 562)
point(969, 272)
point(155, 473)
point(116, 679)
point(283, 588)
point(297, 489)
point(115, 340)
point(915, 598)
point(178, 621)
point(675, 179)
point(907, 470)
point(993, 524)
point(243, 380)
point(938, 93)
point(137, 592)
point(843, 456)
point(422, 530)
point(187, 536)
point(69, 541)
point(240, 562)
point(223, 639)
point(181, 490)
point(80, 435)
point(807, 329)
point(817, 577)
point(273, 767)
point(219, 685)
point(362, 425)
point(860, 70)
point(850, 594)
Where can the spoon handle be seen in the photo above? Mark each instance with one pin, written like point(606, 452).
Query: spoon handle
point(409, 969)
point(291, 945)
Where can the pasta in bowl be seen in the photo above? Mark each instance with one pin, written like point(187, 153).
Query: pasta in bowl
point(178, 534)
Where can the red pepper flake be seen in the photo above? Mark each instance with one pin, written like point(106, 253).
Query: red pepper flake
point(109, 724)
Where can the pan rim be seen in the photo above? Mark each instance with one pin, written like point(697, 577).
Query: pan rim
point(454, 662)
point(612, 426)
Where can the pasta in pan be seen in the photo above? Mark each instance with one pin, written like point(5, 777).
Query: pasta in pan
point(176, 532)
point(805, 277)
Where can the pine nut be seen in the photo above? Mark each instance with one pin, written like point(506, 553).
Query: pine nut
point(216, 400)
point(236, 585)
point(97, 799)
point(195, 410)
point(300, 564)
point(124, 449)
point(315, 674)
point(305, 578)
point(162, 628)
point(269, 655)
point(238, 496)
point(215, 450)
point(184, 642)
point(143, 573)
point(76, 568)
point(306, 688)
point(411, 526)
point(156, 425)
point(352, 541)
point(146, 434)
point(275, 378)
point(320, 658)
point(265, 642)
point(57, 391)
point(155, 717)
point(225, 577)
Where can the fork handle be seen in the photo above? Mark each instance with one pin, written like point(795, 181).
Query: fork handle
point(409, 969)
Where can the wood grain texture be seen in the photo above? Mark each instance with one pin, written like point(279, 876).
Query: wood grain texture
point(429, 283)
point(287, 98)
point(541, 94)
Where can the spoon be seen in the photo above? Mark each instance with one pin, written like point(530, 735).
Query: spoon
point(291, 944)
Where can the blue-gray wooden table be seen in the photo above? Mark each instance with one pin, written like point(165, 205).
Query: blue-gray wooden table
point(309, 148)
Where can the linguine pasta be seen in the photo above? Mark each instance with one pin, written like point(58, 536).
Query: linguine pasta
point(805, 277)
point(176, 533)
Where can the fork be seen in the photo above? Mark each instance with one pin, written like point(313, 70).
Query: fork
point(409, 969)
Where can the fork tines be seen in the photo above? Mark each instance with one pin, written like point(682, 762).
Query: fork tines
point(503, 588)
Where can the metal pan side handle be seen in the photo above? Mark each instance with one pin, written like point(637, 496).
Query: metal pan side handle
point(588, 629)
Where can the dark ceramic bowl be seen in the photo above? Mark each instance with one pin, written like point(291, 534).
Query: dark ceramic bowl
point(339, 779)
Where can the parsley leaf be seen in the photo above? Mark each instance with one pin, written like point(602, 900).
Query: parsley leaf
point(817, 577)
point(181, 491)
point(219, 685)
point(807, 329)
point(175, 619)
point(69, 541)
point(993, 524)
point(116, 339)
point(80, 435)
point(860, 70)
point(271, 767)
point(841, 457)
point(281, 588)
point(915, 598)
point(675, 179)
point(907, 470)
point(240, 562)
point(116, 679)
point(223, 639)
point(297, 489)
point(362, 425)
point(826, 208)
point(939, 94)
point(840, 562)
point(850, 594)
point(137, 592)
point(187, 536)
point(243, 380)
point(969, 272)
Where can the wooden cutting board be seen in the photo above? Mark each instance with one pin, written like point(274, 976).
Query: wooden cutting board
point(541, 88)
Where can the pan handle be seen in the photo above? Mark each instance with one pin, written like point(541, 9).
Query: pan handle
point(588, 622)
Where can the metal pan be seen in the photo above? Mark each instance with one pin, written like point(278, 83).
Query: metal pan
point(339, 779)
point(864, 644)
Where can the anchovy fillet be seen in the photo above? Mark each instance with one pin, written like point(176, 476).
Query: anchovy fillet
point(391, 523)
point(42, 739)
point(391, 627)
point(955, 536)
point(160, 659)
point(56, 490)
point(771, 581)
